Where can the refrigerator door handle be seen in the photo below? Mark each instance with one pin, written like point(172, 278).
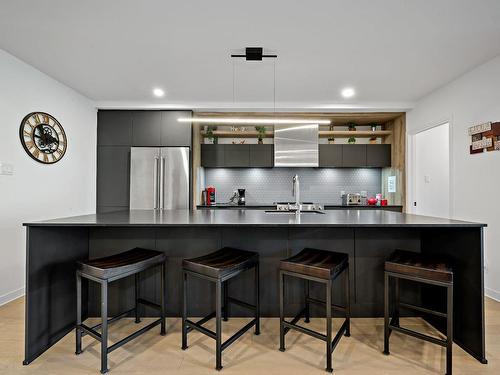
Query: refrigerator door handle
point(155, 184)
point(162, 182)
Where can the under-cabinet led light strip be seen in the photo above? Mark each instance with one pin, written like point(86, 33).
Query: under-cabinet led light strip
point(261, 121)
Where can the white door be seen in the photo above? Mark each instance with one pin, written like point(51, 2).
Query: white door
point(432, 172)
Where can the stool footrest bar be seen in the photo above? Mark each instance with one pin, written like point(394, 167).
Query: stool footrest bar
point(133, 335)
point(203, 320)
point(90, 331)
point(114, 319)
point(296, 319)
point(418, 335)
point(238, 334)
point(307, 331)
point(200, 328)
point(241, 303)
point(339, 334)
point(422, 309)
point(149, 303)
point(323, 303)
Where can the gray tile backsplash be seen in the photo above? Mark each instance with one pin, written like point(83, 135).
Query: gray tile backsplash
point(319, 185)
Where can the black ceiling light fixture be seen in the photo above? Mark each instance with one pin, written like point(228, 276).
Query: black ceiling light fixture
point(254, 54)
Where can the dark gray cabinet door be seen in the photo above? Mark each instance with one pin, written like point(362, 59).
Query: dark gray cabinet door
point(378, 155)
point(354, 155)
point(146, 128)
point(212, 156)
point(173, 132)
point(236, 155)
point(261, 156)
point(330, 155)
point(114, 128)
point(113, 165)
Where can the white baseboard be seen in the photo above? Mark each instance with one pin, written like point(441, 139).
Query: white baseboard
point(6, 298)
point(493, 294)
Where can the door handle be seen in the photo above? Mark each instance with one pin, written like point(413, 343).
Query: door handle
point(162, 167)
point(155, 184)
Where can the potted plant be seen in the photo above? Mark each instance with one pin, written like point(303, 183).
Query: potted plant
point(351, 140)
point(331, 138)
point(211, 136)
point(261, 133)
point(351, 126)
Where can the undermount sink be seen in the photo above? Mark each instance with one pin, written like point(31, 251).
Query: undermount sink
point(291, 208)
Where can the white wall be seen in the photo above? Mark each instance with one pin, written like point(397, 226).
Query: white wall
point(36, 191)
point(475, 179)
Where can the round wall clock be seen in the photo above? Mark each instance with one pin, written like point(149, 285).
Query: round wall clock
point(43, 137)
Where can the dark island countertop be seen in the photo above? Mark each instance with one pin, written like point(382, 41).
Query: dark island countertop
point(270, 206)
point(253, 218)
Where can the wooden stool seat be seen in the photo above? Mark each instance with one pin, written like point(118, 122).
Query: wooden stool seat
point(415, 264)
point(222, 262)
point(316, 263)
point(128, 262)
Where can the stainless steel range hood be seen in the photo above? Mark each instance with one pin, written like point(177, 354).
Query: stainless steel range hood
point(296, 145)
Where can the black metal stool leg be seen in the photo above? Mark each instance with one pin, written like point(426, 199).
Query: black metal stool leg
point(449, 330)
point(162, 301)
point(137, 286)
point(347, 304)
point(282, 311)
point(225, 293)
point(257, 301)
point(218, 325)
point(396, 301)
point(184, 310)
point(78, 331)
point(386, 314)
point(306, 295)
point(329, 326)
point(104, 326)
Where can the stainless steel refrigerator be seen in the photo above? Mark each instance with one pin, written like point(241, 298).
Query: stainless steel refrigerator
point(159, 178)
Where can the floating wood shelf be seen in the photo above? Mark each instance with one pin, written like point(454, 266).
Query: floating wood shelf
point(355, 134)
point(322, 134)
point(237, 134)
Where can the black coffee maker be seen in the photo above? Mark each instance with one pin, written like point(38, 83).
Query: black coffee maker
point(241, 197)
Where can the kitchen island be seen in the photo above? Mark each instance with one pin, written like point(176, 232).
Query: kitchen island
point(367, 236)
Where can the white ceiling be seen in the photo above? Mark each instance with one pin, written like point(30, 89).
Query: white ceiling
point(115, 51)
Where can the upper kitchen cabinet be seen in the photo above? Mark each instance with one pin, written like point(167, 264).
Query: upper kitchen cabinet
point(354, 155)
point(212, 156)
point(262, 156)
point(330, 155)
point(173, 132)
point(146, 128)
point(378, 155)
point(236, 155)
point(114, 128)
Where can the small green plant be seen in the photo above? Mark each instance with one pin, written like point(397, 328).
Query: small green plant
point(351, 126)
point(261, 133)
point(373, 127)
point(351, 140)
point(211, 136)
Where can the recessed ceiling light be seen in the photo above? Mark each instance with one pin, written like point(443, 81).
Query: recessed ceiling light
point(348, 92)
point(158, 92)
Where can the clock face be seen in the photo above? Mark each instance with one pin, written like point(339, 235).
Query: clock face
point(43, 137)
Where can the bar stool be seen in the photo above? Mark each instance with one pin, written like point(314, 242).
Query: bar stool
point(219, 267)
point(323, 267)
point(109, 269)
point(414, 266)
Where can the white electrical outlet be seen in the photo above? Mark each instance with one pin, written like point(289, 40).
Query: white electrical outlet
point(6, 169)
